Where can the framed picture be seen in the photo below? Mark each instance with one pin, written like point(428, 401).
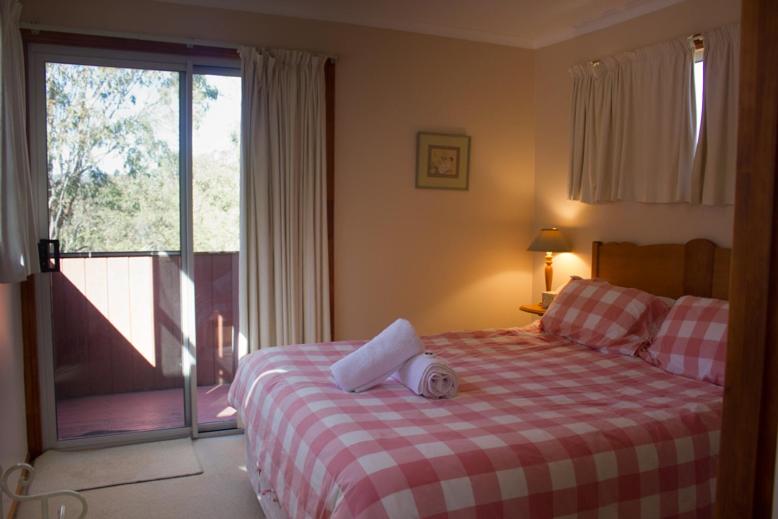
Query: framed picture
point(442, 161)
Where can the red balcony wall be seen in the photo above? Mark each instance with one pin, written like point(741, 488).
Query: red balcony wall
point(116, 322)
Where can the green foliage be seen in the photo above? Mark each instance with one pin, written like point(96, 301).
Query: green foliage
point(216, 207)
point(113, 162)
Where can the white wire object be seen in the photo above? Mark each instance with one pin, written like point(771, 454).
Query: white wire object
point(25, 480)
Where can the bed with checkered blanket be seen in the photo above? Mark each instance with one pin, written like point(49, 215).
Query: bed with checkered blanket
point(541, 428)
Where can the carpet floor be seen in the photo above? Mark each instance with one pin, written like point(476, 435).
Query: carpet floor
point(221, 491)
point(98, 468)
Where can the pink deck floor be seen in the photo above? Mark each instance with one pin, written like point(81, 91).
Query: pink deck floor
point(138, 411)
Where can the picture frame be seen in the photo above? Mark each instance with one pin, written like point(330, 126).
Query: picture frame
point(442, 161)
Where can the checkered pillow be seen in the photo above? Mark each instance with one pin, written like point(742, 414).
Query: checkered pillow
point(604, 317)
point(692, 340)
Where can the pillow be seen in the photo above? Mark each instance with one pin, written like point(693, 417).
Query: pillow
point(604, 317)
point(692, 340)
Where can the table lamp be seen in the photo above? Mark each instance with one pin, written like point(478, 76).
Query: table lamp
point(549, 240)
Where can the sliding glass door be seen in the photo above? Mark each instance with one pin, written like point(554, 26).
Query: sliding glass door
point(216, 239)
point(112, 140)
point(137, 157)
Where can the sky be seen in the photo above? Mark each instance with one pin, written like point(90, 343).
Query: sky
point(222, 119)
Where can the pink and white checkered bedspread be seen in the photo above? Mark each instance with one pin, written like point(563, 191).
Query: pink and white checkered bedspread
point(540, 428)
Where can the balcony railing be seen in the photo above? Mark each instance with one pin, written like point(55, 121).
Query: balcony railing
point(116, 322)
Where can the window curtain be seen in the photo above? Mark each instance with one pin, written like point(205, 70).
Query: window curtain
point(633, 126)
point(284, 270)
point(715, 161)
point(18, 249)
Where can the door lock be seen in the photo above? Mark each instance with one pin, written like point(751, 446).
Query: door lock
point(48, 254)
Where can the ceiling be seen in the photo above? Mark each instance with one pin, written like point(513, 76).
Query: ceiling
point(519, 23)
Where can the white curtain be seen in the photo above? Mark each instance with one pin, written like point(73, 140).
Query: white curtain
point(283, 258)
point(716, 157)
point(632, 126)
point(18, 249)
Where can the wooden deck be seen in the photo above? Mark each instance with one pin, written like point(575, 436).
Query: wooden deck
point(139, 411)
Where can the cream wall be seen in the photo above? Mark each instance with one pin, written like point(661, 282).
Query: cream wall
point(443, 259)
point(13, 433)
point(641, 223)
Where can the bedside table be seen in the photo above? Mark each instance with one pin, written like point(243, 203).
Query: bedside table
point(533, 309)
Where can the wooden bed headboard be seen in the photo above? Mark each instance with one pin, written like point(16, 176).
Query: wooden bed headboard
point(698, 268)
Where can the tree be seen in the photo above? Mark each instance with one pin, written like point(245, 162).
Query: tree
point(113, 158)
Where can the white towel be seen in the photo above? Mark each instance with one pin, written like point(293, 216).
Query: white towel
point(428, 376)
point(373, 362)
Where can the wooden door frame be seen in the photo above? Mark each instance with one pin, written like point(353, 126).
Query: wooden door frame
point(750, 415)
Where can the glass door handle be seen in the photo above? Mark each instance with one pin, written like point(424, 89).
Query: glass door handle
point(48, 255)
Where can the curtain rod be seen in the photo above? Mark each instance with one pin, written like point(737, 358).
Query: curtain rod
point(695, 38)
point(189, 42)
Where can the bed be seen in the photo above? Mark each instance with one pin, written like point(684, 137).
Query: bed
point(542, 427)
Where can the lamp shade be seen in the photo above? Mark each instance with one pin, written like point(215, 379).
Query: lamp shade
point(550, 240)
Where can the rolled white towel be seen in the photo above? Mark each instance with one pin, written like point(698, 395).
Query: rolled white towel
point(373, 362)
point(428, 376)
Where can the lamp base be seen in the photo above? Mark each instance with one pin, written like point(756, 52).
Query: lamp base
point(549, 270)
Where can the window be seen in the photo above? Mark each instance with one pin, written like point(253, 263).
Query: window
point(699, 77)
point(216, 162)
point(113, 158)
